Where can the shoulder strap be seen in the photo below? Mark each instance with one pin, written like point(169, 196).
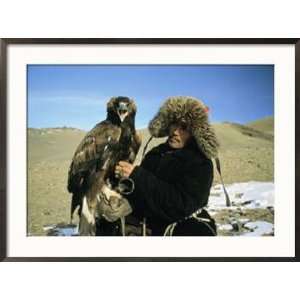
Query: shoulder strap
point(217, 160)
point(146, 146)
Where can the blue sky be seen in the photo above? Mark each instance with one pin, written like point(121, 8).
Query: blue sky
point(76, 95)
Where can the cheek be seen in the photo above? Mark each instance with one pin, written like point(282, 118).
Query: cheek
point(185, 137)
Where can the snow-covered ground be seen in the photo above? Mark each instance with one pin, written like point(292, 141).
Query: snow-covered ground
point(250, 194)
point(259, 228)
point(61, 229)
point(245, 198)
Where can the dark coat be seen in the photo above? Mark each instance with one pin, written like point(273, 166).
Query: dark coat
point(170, 185)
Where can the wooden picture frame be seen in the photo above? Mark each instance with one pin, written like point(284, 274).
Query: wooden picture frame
point(4, 200)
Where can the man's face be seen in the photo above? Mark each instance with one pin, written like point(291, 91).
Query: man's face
point(178, 136)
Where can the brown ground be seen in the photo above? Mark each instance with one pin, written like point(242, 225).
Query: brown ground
point(246, 154)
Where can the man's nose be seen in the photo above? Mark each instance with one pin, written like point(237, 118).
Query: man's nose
point(176, 131)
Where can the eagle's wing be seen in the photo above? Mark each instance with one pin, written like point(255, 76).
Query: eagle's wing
point(90, 153)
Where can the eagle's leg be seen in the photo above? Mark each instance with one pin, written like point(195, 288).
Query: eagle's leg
point(87, 223)
point(76, 203)
point(122, 219)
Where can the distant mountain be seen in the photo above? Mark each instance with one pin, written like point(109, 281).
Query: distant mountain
point(52, 143)
point(265, 124)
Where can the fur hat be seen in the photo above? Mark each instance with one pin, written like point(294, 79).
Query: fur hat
point(193, 113)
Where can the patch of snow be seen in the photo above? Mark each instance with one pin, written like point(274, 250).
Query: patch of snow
point(244, 220)
point(61, 230)
point(48, 227)
point(225, 227)
point(212, 212)
point(259, 228)
point(249, 195)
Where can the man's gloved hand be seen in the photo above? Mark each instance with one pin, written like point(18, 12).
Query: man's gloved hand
point(114, 208)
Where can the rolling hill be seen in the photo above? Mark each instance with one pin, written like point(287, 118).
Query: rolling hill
point(265, 125)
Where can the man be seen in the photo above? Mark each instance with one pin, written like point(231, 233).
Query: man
point(174, 179)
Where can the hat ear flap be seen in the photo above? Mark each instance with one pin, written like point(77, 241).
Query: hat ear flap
point(159, 126)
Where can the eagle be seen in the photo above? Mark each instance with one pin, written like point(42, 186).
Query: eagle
point(91, 177)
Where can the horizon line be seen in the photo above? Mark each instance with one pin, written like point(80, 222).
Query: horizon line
point(142, 128)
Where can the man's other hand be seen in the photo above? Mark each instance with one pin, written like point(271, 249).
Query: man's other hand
point(124, 169)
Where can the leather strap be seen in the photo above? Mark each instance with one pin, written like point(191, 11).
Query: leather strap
point(218, 164)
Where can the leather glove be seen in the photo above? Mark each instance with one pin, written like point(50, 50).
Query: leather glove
point(114, 208)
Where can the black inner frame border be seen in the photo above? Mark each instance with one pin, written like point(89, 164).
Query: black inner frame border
point(4, 43)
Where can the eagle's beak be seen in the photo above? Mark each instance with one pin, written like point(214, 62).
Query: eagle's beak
point(122, 114)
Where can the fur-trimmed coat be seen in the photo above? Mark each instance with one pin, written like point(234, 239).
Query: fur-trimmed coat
point(170, 185)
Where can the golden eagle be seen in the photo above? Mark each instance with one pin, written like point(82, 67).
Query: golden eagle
point(91, 177)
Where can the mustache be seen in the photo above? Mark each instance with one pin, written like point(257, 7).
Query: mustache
point(174, 137)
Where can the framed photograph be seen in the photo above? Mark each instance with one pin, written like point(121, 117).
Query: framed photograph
point(149, 149)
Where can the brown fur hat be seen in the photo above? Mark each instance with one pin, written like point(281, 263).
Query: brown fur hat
point(192, 112)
